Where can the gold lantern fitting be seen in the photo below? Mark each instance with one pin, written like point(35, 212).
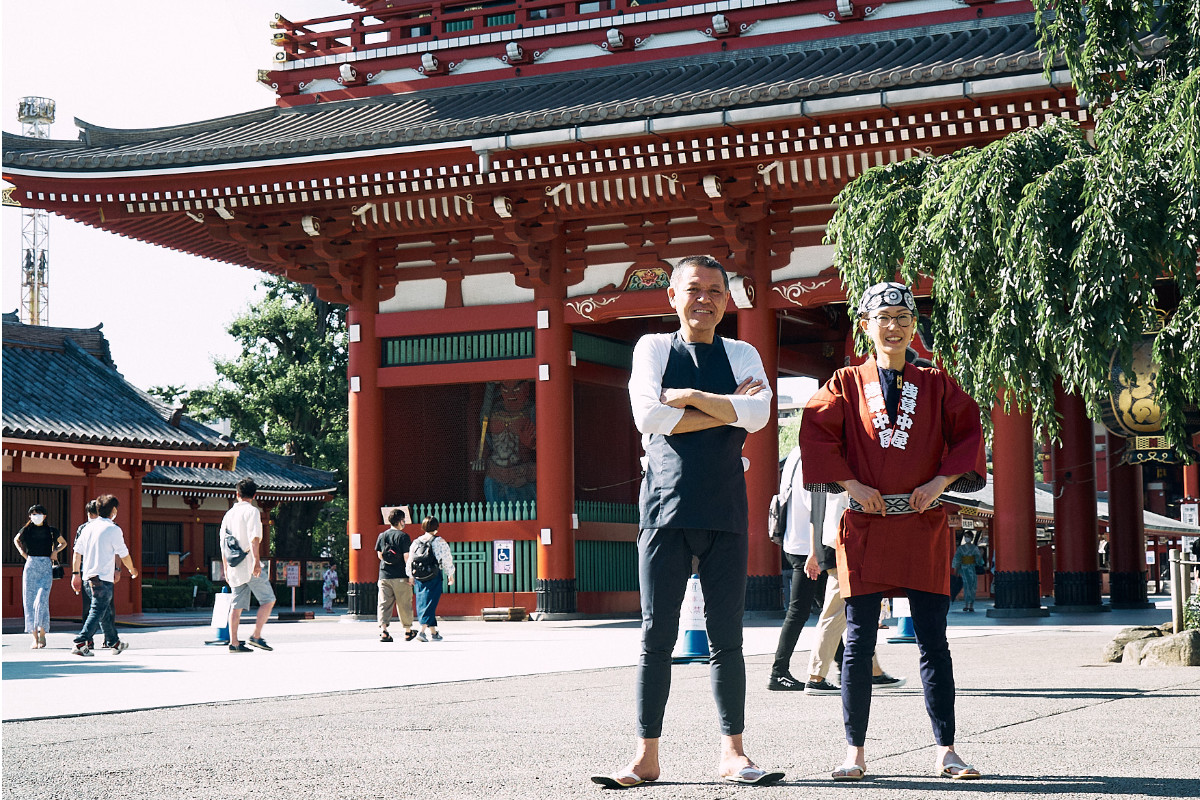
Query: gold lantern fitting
point(1130, 409)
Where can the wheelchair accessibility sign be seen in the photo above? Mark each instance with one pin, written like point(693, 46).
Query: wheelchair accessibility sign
point(502, 556)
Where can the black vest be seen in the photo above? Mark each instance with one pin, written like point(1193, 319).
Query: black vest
point(696, 480)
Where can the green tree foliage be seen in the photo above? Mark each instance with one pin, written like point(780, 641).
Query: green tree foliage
point(286, 392)
point(789, 435)
point(1047, 249)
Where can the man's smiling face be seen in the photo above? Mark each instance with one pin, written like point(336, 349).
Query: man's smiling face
point(699, 296)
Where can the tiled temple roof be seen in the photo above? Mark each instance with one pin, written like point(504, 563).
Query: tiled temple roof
point(884, 61)
point(277, 476)
point(60, 385)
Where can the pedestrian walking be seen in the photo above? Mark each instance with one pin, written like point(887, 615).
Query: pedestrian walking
point(94, 570)
point(92, 509)
point(695, 396)
point(968, 558)
point(329, 587)
point(428, 559)
point(894, 436)
point(395, 586)
point(799, 548)
point(39, 544)
point(241, 536)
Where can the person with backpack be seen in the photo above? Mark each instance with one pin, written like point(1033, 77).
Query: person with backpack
point(796, 518)
point(395, 587)
point(428, 558)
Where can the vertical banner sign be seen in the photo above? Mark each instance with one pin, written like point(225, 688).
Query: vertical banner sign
point(502, 557)
point(293, 573)
point(1189, 514)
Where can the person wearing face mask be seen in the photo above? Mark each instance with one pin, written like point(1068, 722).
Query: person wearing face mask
point(894, 436)
point(39, 544)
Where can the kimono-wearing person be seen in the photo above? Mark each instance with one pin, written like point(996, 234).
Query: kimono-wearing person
point(968, 559)
point(894, 436)
point(329, 586)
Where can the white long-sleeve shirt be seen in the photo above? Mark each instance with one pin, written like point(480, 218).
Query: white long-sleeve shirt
point(651, 415)
point(797, 534)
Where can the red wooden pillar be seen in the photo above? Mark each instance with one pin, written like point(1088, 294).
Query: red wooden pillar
point(1077, 566)
point(1191, 480)
point(264, 547)
point(555, 403)
point(1126, 533)
point(134, 537)
point(759, 326)
point(366, 445)
point(1014, 527)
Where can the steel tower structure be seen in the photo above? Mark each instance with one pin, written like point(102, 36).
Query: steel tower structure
point(36, 115)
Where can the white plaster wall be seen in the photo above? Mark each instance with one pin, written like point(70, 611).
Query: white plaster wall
point(805, 263)
point(597, 276)
point(498, 289)
point(416, 296)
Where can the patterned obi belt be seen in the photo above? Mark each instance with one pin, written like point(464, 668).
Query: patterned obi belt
point(895, 504)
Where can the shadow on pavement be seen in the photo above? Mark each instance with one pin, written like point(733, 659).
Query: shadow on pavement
point(1088, 785)
point(40, 670)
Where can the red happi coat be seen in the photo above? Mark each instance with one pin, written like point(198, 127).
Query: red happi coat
point(839, 440)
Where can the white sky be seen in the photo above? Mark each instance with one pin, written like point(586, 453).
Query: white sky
point(132, 64)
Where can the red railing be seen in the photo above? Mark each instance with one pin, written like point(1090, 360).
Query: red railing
point(428, 21)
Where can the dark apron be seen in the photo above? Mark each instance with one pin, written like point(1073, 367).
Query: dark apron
point(695, 480)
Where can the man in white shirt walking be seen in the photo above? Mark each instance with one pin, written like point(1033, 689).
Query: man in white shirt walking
point(93, 568)
point(241, 535)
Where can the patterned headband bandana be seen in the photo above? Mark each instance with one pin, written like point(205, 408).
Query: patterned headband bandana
point(887, 294)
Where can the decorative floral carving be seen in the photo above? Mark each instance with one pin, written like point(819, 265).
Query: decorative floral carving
point(794, 292)
point(589, 304)
point(642, 278)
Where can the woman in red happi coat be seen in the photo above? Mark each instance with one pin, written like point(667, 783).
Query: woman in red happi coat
point(894, 436)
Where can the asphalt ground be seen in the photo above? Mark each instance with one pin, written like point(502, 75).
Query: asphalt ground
point(531, 709)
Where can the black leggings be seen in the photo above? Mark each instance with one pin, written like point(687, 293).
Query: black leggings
point(664, 566)
point(799, 609)
point(937, 670)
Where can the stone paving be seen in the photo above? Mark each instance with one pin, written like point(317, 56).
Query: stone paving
point(529, 710)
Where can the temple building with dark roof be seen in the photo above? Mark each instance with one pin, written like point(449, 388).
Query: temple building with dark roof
point(498, 191)
point(74, 428)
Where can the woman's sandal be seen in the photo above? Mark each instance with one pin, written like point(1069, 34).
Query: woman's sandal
point(959, 771)
point(619, 780)
point(849, 772)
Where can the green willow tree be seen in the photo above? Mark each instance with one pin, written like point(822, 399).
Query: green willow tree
point(286, 392)
point(1046, 249)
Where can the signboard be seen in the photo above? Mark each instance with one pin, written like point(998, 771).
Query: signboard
point(1150, 558)
point(387, 510)
point(218, 570)
point(315, 570)
point(172, 563)
point(293, 573)
point(502, 556)
point(1189, 514)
